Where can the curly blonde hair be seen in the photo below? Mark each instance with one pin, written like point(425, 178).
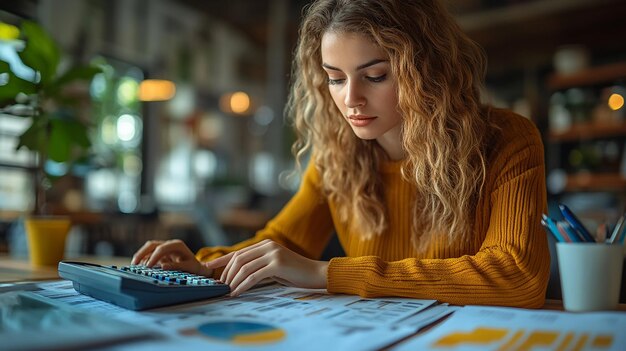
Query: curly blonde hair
point(439, 73)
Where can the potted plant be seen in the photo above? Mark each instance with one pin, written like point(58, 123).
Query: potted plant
point(55, 132)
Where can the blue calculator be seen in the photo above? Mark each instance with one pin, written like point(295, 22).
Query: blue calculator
point(138, 287)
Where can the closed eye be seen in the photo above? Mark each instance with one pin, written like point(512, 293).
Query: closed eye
point(335, 81)
point(377, 79)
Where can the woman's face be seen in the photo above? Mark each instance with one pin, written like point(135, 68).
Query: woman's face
point(361, 84)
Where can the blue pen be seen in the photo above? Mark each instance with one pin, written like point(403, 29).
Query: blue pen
point(575, 223)
point(549, 224)
point(573, 235)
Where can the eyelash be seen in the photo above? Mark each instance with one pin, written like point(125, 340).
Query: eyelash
point(377, 79)
point(371, 79)
point(334, 81)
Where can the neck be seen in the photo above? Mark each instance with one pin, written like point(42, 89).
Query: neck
point(391, 142)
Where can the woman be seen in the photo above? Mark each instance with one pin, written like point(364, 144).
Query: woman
point(431, 194)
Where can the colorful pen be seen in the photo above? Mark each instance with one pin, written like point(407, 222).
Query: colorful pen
point(602, 233)
point(564, 233)
point(569, 216)
point(548, 223)
point(571, 233)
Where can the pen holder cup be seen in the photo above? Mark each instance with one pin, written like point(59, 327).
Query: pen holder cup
point(590, 275)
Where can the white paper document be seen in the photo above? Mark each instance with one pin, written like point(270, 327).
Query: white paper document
point(499, 328)
point(29, 322)
point(270, 318)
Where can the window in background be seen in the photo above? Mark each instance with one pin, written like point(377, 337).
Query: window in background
point(115, 182)
point(16, 177)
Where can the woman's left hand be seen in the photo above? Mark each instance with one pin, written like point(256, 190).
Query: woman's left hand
point(268, 259)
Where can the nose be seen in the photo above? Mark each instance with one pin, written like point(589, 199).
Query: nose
point(354, 95)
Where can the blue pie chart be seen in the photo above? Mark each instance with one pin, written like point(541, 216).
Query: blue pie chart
point(238, 332)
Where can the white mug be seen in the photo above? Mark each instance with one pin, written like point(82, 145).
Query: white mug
point(591, 275)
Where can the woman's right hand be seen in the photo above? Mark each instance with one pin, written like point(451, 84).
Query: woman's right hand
point(170, 255)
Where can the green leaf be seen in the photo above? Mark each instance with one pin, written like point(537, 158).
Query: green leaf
point(5, 67)
point(65, 135)
point(15, 84)
point(59, 143)
point(34, 137)
point(41, 53)
point(79, 134)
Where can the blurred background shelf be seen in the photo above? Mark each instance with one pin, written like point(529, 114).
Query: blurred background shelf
point(589, 76)
point(589, 130)
point(596, 182)
point(586, 137)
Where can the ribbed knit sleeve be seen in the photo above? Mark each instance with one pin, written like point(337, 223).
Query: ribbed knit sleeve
point(506, 262)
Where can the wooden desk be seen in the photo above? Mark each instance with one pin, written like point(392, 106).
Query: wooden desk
point(20, 270)
point(557, 305)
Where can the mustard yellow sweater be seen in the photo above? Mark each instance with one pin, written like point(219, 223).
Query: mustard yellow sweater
point(505, 263)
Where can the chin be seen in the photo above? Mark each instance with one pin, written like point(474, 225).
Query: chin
point(364, 135)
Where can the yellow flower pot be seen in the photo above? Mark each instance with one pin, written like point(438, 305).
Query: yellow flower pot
point(46, 239)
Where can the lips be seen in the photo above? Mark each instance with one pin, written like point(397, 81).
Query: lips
point(360, 120)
